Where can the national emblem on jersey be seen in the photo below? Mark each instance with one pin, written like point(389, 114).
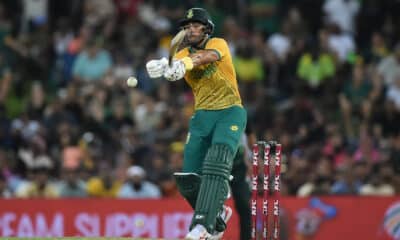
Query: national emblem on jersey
point(234, 128)
point(190, 13)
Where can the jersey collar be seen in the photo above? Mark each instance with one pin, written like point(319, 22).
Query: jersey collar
point(194, 49)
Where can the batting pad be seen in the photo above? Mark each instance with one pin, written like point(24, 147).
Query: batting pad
point(214, 187)
point(188, 185)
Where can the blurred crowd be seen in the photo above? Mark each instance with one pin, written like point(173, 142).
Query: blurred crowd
point(320, 76)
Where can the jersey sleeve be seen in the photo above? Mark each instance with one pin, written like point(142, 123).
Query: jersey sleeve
point(219, 45)
point(181, 54)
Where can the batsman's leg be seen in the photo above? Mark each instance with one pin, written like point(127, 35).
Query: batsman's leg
point(188, 185)
point(214, 187)
point(189, 180)
point(217, 165)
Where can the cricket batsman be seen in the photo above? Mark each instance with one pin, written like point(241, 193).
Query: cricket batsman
point(216, 126)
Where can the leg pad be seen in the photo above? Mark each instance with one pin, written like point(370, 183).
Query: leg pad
point(214, 186)
point(188, 185)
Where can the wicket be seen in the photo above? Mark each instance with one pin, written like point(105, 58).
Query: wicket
point(268, 148)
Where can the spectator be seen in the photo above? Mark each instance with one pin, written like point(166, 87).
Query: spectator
point(340, 43)
point(5, 79)
point(98, 11)
point(317, 185)
point(39, 186)
point(367, 151)
point(249, 70)
point(380, 183)
point(72, 186)
point(157, 170)
point(62, 38)
point(103, 184)
point(395, 154)
point(389, 67)
point(127, 8)
point(334, 149)
point(5, 192)
point(119, 117)
point(346, 183)
point(147, 115)
point(167, 185)
point(296, 27)
point(9, 45)
point(100, 14)
point(5, 126)
point(280, 43)
point(378, 49)
point(393, 92)
point(34, 12)
point(122, 70)
point(297, 173)
point(37, 103)
point(377, 96)
point(343, 13)
point(232, 33)
point(35, 154)
point(353, 98)
point(315, 68)
point(264, 15)
point(93, 63)
point(137, 186)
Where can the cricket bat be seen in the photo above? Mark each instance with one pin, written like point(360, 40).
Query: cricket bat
point(175, 42)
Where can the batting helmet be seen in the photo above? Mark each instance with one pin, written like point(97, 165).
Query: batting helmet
point(198, 15)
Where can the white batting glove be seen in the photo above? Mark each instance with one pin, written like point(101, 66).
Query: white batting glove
point(176, 71)
point(156, 68)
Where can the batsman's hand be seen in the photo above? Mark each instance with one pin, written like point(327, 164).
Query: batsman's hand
point(156, 68)
point(176, 71)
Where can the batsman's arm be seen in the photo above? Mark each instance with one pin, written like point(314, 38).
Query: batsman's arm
point(216, 49)
point(201, 57)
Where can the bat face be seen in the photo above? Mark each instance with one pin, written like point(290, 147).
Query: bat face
point(175, 42)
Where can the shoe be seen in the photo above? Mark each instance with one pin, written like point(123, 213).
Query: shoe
point(226, 214)
point(199, 232)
